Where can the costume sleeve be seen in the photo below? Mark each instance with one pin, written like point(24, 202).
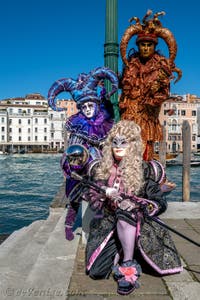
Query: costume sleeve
point(129, 84)
point(157, 83)
point(65, 165)
point(154, 193)
point(95, 199)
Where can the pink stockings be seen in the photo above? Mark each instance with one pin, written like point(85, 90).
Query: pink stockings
point(127, 235)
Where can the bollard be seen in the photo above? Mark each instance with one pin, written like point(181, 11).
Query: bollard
point(186, 134)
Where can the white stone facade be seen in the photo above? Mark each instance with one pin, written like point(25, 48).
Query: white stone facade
point(28, 124)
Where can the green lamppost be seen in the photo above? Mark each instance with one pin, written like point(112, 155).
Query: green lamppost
point(111, 47)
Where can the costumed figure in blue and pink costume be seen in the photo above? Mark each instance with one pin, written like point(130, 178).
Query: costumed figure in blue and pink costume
point(86, 130)
point(130, 195)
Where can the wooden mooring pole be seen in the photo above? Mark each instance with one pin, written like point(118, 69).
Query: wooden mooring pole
point(162, 148)
point(186, 134)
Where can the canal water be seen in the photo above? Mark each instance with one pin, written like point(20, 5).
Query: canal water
point(29, 182)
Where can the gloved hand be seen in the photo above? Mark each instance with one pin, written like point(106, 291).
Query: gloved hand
point(127, 205)
point(110, 192)
point(148, 209)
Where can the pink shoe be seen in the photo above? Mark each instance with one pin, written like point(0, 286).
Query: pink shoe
point(126, 276)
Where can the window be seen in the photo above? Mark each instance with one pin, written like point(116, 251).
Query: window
point(29, 121)
point(182, 112)
point(29, 138)
point(174, 125)
point(193, 127)
point(10, 138)
point(45, 129)
point(10, 129)
point(19, 111)
point(52, 135)
point(193, 138)
point(20, 130)
point(45, 121)
point(3, 129)
point(36, 120)
point(2, 119)
point(20, 138)
point(19, 121)
point(36, 138)
point(45, 138)
point(194, 113)
point(29, 130)
point(10, 121)
point(36, 130)
point(3, 138)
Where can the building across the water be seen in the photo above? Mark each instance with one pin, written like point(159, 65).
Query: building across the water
point(29, 125)
point(173, 112)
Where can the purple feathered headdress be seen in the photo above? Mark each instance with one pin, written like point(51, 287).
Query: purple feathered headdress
point(84, 88)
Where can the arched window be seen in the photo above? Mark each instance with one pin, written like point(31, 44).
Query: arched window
point(174, 125)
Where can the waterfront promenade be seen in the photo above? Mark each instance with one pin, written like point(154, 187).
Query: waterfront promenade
point(37, 262)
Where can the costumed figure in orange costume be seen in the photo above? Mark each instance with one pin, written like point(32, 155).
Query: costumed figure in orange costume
point(145, 81)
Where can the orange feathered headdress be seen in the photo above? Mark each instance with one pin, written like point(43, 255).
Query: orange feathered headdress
point(150, 29)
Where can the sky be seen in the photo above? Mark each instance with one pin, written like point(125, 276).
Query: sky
point(42, 41)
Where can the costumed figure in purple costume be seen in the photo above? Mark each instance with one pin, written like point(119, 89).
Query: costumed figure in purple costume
point(86, 130)
point(130, 197)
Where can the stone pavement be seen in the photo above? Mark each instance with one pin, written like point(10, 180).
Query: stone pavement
point(37, 263)
point(183, 217)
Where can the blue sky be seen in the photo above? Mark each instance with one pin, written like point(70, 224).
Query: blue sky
point(45, 40)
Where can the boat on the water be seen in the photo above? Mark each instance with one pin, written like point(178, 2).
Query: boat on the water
point(197, 154)
point(178, 161)
point(173, 162)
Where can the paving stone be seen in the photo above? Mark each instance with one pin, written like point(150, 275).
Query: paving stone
point(118, 297)
point(183, 276)
point(189, 252)
point(184, 291)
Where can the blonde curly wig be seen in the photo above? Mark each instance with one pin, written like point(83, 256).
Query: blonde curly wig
point(131, 164)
